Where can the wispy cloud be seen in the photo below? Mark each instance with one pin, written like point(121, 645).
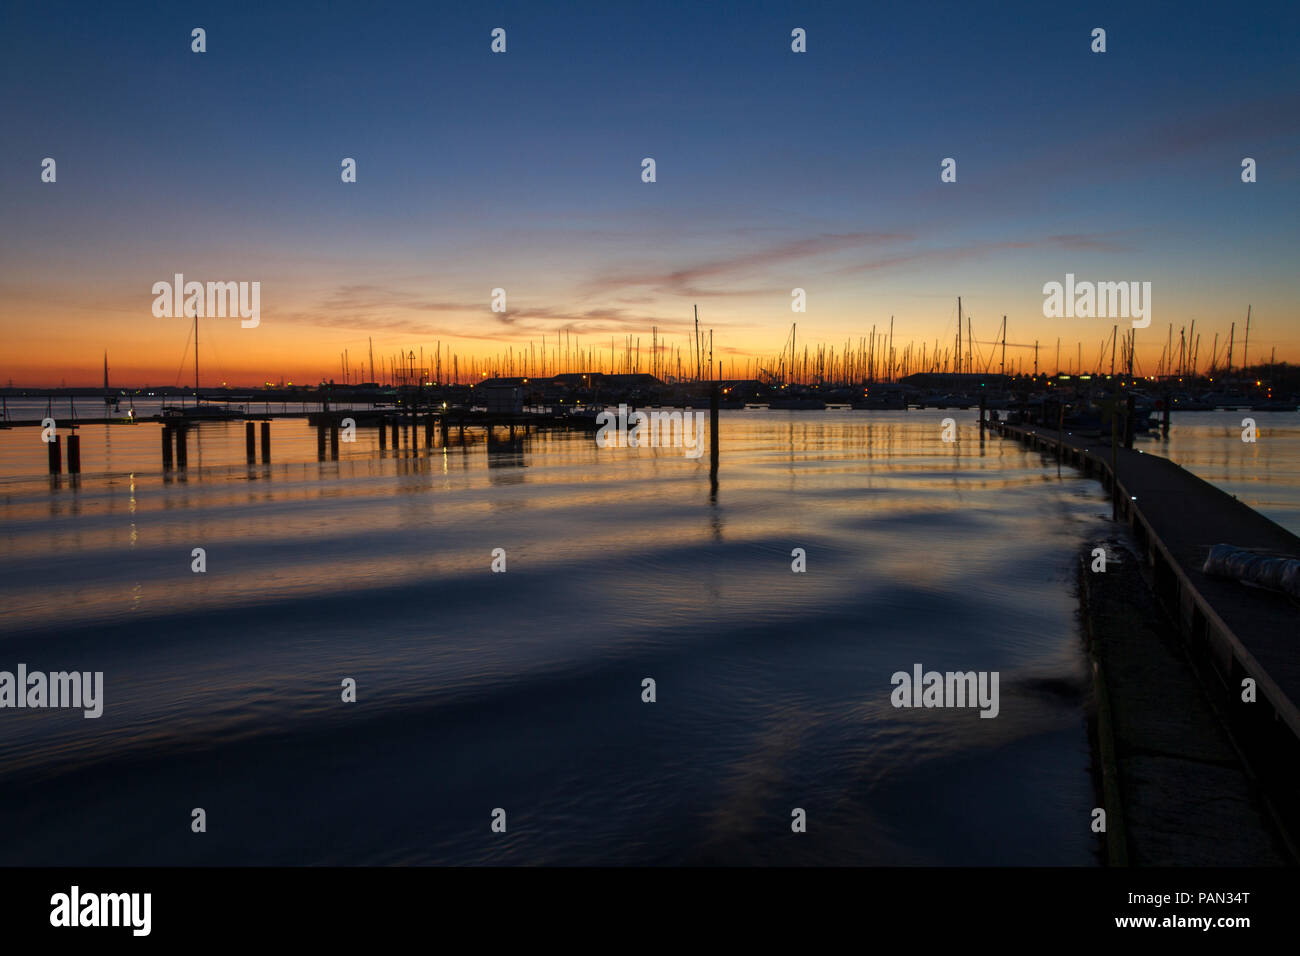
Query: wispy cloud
point(727, 276)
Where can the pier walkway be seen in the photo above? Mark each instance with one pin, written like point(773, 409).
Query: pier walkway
point(1235, 631)
point(1178, 517)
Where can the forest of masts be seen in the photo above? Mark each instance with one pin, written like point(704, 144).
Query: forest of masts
point(868, 359)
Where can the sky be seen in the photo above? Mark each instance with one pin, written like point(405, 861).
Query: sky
point(522, 170)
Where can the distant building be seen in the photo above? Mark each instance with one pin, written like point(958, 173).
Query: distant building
point(501, 399)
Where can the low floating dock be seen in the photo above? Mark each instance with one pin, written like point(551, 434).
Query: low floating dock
point(1235, 631)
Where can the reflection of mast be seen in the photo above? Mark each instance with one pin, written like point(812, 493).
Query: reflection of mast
point(107, 400)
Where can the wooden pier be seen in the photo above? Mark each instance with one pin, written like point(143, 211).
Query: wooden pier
point(1234, 631)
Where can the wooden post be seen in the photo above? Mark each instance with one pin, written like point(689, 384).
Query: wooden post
point(397, 435)
point(713, 434)
point(182, 452)
point(74, 454)
point(334, 441)
point(250, 442)
point(983, 403)
point(320, 442)
point(266, 443)
point(428, 430)
point(167, 447)
point(55, 456)
point(383, 436)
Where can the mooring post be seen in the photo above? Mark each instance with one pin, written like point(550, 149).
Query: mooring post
point(266, 443)
point(320, 442)
point(983, 400)
point(334, 441)
point(442, 429)
point(713, 434)
point(383, 436)
point(428, 430)
point(397, 436)
point(250, 442)
point(74, 454)
point(55, 456)
point(182, 452)
point(167, 447)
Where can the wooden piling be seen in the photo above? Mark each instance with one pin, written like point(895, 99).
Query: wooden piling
point(383, 437)
point(713, 434)
point(182, 451)
point(55, 456)
point(320, 442)
point(266, 443)
point(74, 454)
point(397, 436)
point(334, 441)
point(167, 447)
point(250, 442)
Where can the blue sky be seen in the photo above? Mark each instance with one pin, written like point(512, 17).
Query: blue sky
point(522, 170)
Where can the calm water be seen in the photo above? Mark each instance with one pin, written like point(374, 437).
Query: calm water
point(522, 690)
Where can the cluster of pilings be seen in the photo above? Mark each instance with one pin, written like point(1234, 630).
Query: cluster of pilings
point(175, 437)
point(333, 431)
point(412, 421)
point(178, 435)
point(250, 442)
point(55, 451)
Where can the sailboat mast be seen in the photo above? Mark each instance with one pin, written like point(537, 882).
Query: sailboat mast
point(1003, 369)
point(891, 348)
point(196, 352)
point(1245, 344)
point(697, 343)
point(957, 355)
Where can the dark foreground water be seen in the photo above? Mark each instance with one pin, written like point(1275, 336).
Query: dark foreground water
point(523, 690)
